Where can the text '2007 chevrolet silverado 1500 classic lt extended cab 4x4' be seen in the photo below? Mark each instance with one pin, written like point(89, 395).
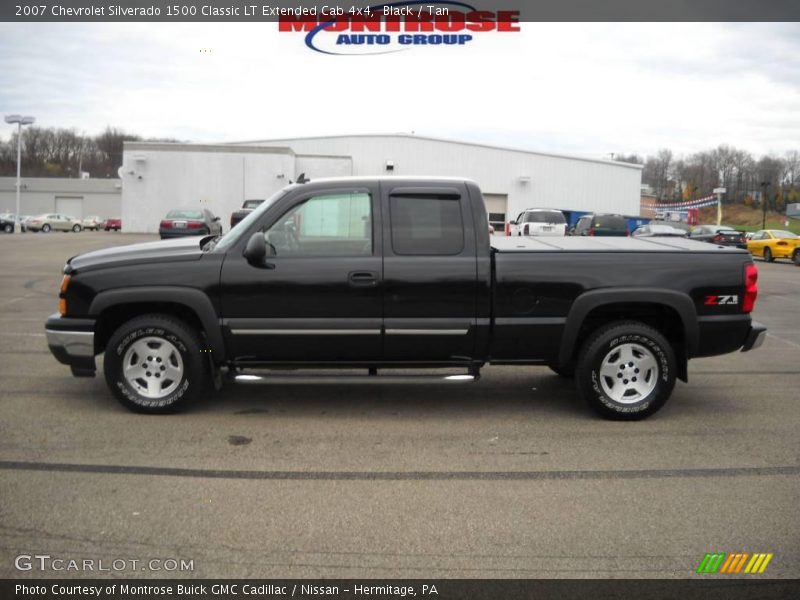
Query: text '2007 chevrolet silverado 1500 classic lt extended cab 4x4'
point(388, 273)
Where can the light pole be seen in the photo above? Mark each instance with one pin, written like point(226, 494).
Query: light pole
point(20, 121)
point(764, 186)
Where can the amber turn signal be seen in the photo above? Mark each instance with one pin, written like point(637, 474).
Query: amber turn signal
point(65, 283)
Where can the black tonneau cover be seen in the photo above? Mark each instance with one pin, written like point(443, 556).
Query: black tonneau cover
point(603, 244)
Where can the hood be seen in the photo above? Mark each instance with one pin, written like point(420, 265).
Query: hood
point(181, 249)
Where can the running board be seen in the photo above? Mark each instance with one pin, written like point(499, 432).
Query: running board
point(369, 379)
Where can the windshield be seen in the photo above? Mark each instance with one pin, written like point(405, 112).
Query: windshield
point(230, 238)
point(609, 222)
point(184, 214)
point(545, 216)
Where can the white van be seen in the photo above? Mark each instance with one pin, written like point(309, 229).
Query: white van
point(539, 221)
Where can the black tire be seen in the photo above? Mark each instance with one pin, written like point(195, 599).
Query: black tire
point(8, 228)
point(76, 228)
point(176, 348)
point(796, 257)
point(616, 397)
point(768, 255)
point(45, 228)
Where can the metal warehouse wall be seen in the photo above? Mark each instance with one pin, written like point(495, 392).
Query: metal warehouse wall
point(101, 197)
point(552, 181)
point(158, 177)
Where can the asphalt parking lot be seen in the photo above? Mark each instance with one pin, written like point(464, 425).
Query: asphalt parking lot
point(508, 477)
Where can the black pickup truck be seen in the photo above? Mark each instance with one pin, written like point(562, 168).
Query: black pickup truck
point(388, 273)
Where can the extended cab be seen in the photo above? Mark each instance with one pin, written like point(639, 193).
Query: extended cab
point(376, 273)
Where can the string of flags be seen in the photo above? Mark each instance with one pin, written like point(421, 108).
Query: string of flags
point(699, 203)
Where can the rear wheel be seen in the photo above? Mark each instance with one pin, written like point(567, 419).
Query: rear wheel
point(153, 364)
point(768, 255)
point(796, 257)
point(626, 371)
point(76, 228)
point(8, 228)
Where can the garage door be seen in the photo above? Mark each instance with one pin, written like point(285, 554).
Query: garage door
point(72, 206)
point(496, 207)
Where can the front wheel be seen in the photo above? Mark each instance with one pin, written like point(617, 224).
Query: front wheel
point(796, 257)
point(768, 255)
point(154, 364)
point(8, 228)
point(45, 228)
point(76, 228)
point(626, 371)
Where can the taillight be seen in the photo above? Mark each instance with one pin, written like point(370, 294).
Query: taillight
point(195, 224)
point(591, 231)
point(525, 230)
point(750, 288)
point(717, 238)
point(627, 232)
point(166, 224)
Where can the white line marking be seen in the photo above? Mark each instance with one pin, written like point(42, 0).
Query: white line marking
point(22, 334)
point(772, 335)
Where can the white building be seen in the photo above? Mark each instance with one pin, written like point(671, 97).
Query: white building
point(160, 176)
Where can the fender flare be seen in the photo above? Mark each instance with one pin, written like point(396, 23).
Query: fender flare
point(193, 299)
point(589, 301)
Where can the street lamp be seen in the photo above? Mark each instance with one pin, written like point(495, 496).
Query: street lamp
point(20, 121)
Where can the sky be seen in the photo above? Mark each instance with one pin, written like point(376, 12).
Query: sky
point(587, 89)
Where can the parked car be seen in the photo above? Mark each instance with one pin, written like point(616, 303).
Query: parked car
point(189, 221)
point(246, 209)
point(23, 222)
point(539, 221)
point(387, 287)
point(658, 230)
point(53, 222)
point(7, 223)
point(112, 223)
point(601, 225)
point(722, 235)
point(770, 244)
point(94, 222)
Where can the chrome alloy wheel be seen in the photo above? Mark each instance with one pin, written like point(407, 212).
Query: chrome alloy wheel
point(153, 367)
point(628, 373)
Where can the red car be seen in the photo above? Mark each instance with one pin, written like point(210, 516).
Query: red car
point(114, 223)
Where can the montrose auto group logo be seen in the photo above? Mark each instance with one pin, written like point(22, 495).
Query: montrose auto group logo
point(394, 27)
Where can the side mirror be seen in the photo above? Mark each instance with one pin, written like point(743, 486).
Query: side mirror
point(512, 222)
point(256, 250)
point(216, 218)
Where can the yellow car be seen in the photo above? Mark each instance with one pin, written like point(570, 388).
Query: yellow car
point(770, 244)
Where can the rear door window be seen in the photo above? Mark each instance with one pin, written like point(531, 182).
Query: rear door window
point(426, 225)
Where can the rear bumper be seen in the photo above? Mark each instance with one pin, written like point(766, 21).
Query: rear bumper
point(175, 233)
point(71, 341)
point(755, 337)
point(729, 333)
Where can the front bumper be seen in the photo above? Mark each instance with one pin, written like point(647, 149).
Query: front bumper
point(755, 337)
point(71, 341)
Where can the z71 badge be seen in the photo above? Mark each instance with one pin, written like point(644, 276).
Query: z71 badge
point(720, 300)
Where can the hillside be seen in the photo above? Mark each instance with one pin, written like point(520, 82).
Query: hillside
point(748, 219)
